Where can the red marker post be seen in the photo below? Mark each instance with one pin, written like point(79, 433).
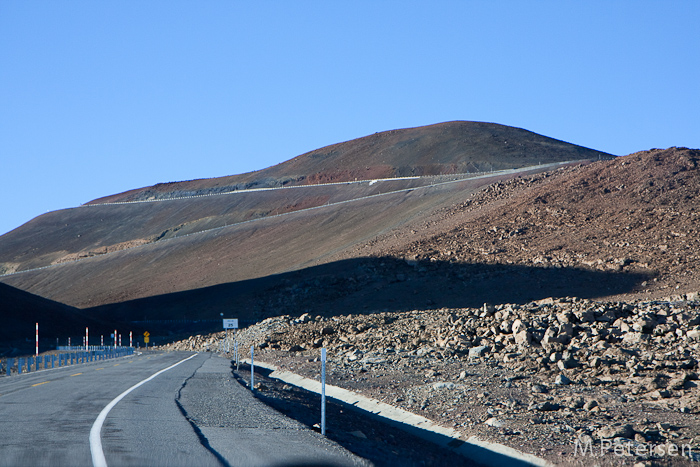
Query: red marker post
point(37, 338)
point(86, 339)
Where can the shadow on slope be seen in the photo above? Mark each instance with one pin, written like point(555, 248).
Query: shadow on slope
point(20, 311)
point(367, 285)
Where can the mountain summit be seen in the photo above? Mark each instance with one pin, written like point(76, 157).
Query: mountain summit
point(444, 148)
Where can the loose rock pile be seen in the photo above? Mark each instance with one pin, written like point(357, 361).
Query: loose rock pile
point(543, 373)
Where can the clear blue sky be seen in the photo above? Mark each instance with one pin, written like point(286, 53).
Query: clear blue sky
point(98, 97)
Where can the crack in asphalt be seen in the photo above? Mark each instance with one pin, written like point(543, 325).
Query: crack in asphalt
point(202, 439)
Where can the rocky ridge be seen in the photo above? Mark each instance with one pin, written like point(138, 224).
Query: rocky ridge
point(635, 214)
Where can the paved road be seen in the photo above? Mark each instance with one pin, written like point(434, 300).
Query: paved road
point(192, 414)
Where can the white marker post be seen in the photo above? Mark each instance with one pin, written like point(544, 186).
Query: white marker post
point(252, 367)
point(323, 391)
point(115, 338)
point(37, 339)
point(131, 339)
point(86, 339)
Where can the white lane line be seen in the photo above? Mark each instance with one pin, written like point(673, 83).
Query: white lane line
point(98, 457)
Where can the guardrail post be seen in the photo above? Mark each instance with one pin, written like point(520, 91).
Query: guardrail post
point(19, 366)
point(10, 363)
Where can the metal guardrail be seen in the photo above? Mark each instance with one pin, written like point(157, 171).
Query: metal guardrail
point(10, 366)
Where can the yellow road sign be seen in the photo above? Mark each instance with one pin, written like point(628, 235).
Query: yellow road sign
point(146, 339)
point(146, 334)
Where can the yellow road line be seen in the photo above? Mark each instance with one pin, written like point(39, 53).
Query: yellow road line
point(39, 384)
point(117, 364)
point(77, 374)
point(98, 369)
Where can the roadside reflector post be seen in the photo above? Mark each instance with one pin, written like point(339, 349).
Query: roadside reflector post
point(131, 339)
point(37, 339)
point(252, 367)
point(86, 339)
point(323, 391)
point(115, 338)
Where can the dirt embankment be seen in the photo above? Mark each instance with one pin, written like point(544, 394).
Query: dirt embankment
point(639, 214)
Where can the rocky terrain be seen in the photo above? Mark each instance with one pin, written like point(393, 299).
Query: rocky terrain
point(617, 371)
point(636, 214)
point(536, 377)
point(589, 274)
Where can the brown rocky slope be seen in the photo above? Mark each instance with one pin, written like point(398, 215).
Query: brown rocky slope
point(537, 376)
point(637, 214)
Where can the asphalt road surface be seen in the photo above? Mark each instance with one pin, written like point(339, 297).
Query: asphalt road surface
point(192, 414)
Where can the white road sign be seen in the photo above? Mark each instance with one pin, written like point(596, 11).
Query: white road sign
point(231, 323)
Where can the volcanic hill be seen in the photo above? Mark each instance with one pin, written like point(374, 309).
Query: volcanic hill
point(276, 241)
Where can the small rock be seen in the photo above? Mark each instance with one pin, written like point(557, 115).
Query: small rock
point(518, 326)
point(545, 407)
point(609, 432)
point(523, 338)
point(478, 352)
point(494, 422)
point(589, 405)
point(562, 380)
point(443, 385)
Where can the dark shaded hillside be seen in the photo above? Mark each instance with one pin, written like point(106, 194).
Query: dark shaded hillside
point(370, 285)
point(444, 148)
point(20, 311)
